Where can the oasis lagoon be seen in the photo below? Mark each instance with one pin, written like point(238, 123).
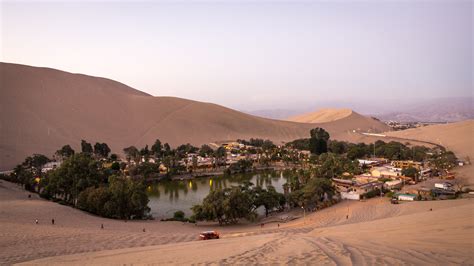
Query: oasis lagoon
point(167, 197)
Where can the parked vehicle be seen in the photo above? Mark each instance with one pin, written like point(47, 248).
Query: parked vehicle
point(445, 185)
point(209, 235)
point(394, 201)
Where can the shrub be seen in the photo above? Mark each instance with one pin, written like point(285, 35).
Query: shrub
point(179, 215)
point(371, 194)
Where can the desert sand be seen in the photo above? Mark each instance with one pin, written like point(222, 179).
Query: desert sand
point(42, 109)
point(457, 137)
point(375, 232)
point(321, 116)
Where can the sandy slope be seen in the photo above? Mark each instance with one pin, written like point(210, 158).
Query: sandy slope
point(375, 233)
point(457, 137)
point(321, 116)
point(42, 109)
point(341, 119)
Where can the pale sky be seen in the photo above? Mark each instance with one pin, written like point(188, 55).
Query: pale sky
point(253, 55)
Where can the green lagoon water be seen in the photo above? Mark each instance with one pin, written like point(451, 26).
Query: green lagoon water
point(167, 197)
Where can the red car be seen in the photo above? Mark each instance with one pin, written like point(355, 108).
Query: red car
point(209, 235)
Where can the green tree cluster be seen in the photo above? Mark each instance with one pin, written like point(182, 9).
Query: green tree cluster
point(75, 174)
point(329, 165)
point(313, 193)
point(121, 199)
point(410, 172)
point(229, 205)
point(445, 160)
point(265, 144)
point(65, 152)
point(206, 151)
point(101, 150)
point(241, 166)
point(27, 172)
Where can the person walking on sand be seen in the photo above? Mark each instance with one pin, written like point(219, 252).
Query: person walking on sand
point(52, 221)
point(101, 226)
point(278, 225)
point(347, 216)
point(36, 221)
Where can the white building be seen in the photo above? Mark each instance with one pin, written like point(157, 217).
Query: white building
point(351, 195)
point(50, 166)
point(406, 197)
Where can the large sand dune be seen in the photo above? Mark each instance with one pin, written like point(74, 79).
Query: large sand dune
point(42, 109)
point(321, 116)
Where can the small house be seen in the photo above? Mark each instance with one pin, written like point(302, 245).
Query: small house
point(395, 184)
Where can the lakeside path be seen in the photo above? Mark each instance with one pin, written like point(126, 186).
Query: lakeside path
point(78, 234)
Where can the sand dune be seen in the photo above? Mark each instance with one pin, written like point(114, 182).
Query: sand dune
point(375, 233)
point(321, 116)
point(457, 137)
point(343, 116)
point(42, 109)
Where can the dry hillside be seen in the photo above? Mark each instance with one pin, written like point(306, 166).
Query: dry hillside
point(42, 109)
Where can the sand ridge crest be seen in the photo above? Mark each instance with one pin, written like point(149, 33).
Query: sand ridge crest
point(322, 115)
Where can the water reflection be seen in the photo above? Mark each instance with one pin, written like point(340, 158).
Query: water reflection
point(182, 195)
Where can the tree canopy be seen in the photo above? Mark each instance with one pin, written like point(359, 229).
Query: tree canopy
point(132, 153)
point(75, 174)
point(318, 142)
point(229, 205)
point(101, 150)
point(206, 150)
point(65, 152)
point(156, 148)
point(122, 199)
point(86, 147)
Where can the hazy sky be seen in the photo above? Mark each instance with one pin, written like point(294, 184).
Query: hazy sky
point(253, 55)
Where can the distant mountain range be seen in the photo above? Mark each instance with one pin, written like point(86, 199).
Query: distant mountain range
point(275, 113)
point(431, 110)
point(437, 110)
